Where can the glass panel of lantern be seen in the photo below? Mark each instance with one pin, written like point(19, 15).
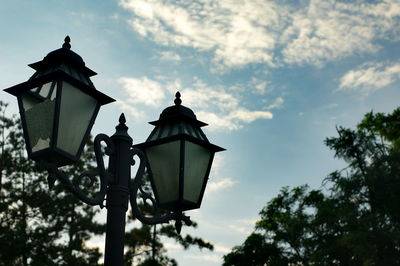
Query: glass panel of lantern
point(165, 159)
point(38, 105)
point(197, 164)
point(179, 171)
point(58, 117)
point(76, 111)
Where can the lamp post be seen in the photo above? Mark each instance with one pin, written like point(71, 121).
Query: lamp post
point(58, 106)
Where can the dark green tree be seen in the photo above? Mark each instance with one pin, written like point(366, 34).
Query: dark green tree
point(77, 219)
point(39, 226)
point(255, 251)
point(144, 245)
point(353, 220)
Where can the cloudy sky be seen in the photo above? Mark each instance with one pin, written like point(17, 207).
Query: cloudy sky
point(271, 78)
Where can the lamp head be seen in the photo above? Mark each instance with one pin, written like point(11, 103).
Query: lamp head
point(58, 106)
point(180, 158)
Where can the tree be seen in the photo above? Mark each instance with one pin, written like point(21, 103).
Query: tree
point(355, 220)
point(255, 251)
point(144, 245)
point(39, 226)
point(76, 218)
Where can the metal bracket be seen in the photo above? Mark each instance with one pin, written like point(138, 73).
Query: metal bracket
point(136, 186)
point(74, 186)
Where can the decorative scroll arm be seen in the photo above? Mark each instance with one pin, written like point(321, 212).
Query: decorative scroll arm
point(136, 186)
point(74, 186)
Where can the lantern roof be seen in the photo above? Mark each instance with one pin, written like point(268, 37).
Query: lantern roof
point(66, 64)
point(178, 122)
point(176, 113)
point(62, 56)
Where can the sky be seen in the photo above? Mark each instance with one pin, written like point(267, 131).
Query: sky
point(271, 78)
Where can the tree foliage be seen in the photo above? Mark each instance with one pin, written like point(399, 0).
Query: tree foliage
point(144, 245)
point(39, 226)
point(353, 220)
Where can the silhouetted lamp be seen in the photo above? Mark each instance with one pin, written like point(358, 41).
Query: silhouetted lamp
point(58, 106)
point(179, 158)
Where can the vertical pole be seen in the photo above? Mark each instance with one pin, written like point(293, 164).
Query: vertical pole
point(118, 195)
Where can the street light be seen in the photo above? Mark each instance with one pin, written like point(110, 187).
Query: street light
point(58, 106)
point(180, 158)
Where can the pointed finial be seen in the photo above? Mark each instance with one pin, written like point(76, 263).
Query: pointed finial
point(178, 100)
point(67, 41)
point(122, 119)
point(121, 125)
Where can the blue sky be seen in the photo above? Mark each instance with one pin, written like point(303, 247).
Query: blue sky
point(271, 78)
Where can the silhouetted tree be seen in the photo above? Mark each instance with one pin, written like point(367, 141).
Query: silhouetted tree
point(144, 245)
point(39, 226)
point(355, 220)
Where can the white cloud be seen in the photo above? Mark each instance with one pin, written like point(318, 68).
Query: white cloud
point(212, 258)
point(326, 31)
point(248, 116)
point(370, 77)
point(144, 91)
point(386, 9)
point(136, 113)
point(169, 56)
point(214, 186)
point(218, 165)
point(203, 97)
point(216, 183)
point(329, 30)
point(217, 122)
point(240, 32)
point(219, 106)
point(245, 230)
point(276, 104)
point(260, 86)
point(221, 249)
point(233, 120)
point(243, 226)
point(205, 258)
point(172, 246)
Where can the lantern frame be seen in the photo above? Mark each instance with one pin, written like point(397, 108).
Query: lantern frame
point(181, 116)
point(52, 69)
